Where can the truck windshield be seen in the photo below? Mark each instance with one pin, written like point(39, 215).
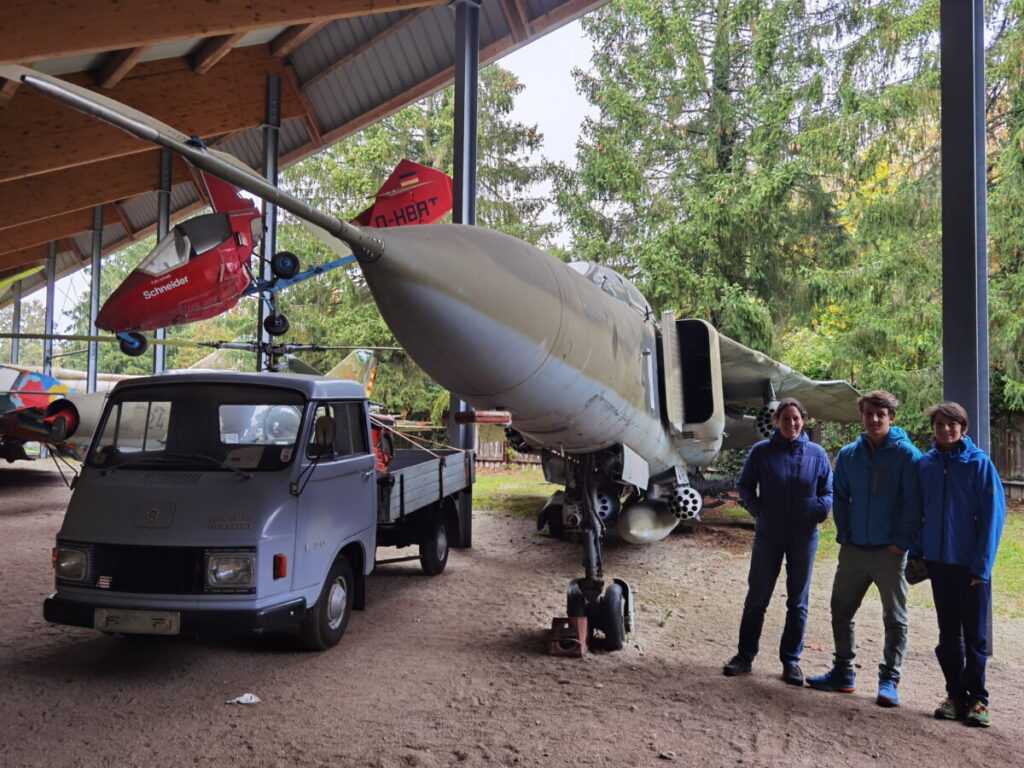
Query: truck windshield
point(199, 426)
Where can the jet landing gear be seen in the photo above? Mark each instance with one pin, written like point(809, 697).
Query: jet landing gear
point(608, 610)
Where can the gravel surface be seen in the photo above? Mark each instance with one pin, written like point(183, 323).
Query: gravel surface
point(452, 670)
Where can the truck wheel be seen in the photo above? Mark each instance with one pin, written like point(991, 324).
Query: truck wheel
point(324, 623)
point(434, 547)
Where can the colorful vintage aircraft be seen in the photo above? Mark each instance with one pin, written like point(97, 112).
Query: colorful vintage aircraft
point(624, 408)
point(203, 266)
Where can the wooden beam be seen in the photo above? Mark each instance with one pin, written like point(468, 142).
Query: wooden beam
point(119, 64)
point(83, 186)
point(286, 42)
point(38, 253)
point(43, 231)
point(38, 134)
point(213, 50)
point(314, 128)
point(435, 83)
point(517, 17)
point(7, 89)
point(34, 31)
point(122, 219)
point(383, 35)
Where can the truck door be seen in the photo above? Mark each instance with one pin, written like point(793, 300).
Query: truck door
point(339, 499)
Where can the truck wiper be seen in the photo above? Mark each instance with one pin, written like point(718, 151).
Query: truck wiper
point(182, 458)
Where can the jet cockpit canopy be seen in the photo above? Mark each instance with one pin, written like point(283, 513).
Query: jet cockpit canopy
point(614, 284)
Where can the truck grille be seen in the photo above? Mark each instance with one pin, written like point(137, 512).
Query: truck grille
point(148, 570)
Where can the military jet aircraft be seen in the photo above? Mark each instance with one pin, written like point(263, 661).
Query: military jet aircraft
point(622, 405)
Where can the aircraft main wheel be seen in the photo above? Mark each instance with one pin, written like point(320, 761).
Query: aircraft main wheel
point(325, 623)
point(434, 547)
point(613, 614)
point(284, 264)
point(276, 325)
point(133, 344)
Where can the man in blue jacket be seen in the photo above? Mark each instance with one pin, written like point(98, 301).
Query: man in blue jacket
point(964, 509)
point(877, 515)
point(786, 484)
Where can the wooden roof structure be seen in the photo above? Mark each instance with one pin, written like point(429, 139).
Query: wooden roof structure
point(201, 67)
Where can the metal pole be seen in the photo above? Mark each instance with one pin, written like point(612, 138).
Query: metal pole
point(51, 278)
point(271, 133)
point(467, 72)
point(964, 254)
point(16, 322)
point(163, 226)
point(93, 365)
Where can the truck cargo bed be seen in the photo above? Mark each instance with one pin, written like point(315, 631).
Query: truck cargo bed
point(419, 478)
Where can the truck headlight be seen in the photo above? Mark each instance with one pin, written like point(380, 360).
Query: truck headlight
point(230, 570)
point(72, 564)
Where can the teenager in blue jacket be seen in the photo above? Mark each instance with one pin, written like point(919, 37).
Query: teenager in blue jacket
point(786, 484)
point(877, 514)
point(964, 509)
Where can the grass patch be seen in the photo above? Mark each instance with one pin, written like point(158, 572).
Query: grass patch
point(519, 492)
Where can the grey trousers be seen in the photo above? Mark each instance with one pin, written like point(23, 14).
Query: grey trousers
point(859, 568)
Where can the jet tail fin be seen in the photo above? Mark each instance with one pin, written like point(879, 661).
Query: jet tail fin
point(412, 194)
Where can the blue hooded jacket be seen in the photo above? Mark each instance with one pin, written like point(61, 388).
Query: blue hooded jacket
point(964, 508)
point(876, 495)
point(787, 486)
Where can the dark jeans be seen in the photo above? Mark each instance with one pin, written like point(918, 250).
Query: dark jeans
point(765, 565)
point(963, 613)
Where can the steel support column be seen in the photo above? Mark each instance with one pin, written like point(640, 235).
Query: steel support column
point(16, 322)
point(271, 161)
point(51, 279)
point(93, 363)
point(467, 75)
point(163, 226)
point(964, 252)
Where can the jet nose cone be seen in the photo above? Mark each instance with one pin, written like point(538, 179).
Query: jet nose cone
point(477, 310)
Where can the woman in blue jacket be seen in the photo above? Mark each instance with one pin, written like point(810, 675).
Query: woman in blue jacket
point(964, 509)
point(786, 484)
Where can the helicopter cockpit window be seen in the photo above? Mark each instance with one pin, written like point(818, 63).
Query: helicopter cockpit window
point(172, 251)
point(207, 232)
point(614, 284)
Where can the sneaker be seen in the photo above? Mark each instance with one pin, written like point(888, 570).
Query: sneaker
point(792, 674)
point(888, 696)
point(977, 715)
point(736, 666)
point(950, 709)
point(834, 680)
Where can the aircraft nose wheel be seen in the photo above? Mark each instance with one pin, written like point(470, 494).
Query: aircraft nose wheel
point(284, 264)
point(132, 344)
point(610, 613)
point(276, 325)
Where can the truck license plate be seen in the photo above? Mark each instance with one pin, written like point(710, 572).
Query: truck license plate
point(137, 622)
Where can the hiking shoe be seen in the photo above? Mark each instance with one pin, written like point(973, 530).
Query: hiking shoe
point(834, 680)
point(888, 696)
point(792, 674)
point(950, 709)
point(977, 715)
point(736, 666)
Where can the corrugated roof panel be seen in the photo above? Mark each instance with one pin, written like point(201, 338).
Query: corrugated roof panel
point(141, 211)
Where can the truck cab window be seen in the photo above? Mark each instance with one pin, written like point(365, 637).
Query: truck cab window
point(349, 429)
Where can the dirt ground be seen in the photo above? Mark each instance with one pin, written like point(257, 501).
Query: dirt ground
point(451, 670)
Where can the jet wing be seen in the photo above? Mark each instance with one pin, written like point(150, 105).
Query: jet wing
point(218, 163)
point(747, 374)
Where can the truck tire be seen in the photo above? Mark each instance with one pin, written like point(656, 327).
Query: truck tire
point(325, 623)
point(434, 546)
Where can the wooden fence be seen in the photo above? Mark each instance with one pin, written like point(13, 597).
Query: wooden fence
point(1008, 453)
point(498, 454)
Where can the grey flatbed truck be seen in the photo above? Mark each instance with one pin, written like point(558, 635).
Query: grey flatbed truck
point(219, 502)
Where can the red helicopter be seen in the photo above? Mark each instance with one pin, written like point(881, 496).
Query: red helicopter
point(202, 267)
